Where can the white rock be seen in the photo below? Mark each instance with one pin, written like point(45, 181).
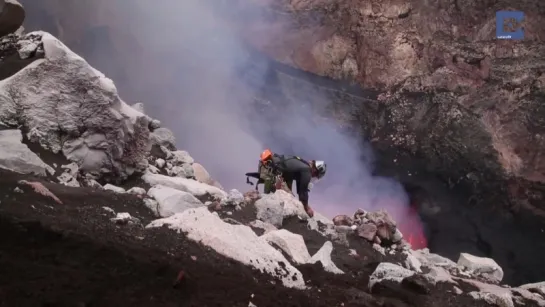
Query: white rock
point(92, 183)
point(270, 209)
point(154, 124)
point(115, 137)
point(538, 287)
point(430, 259)
point(438, 274)
point(138, 107)
point(237, 242)
point(201, 174)
point(292, 205)
point(492, 294)
point(485, 267)
point(292, 244)
point(152, 169)
point(234, 198)
point(68, 180)
point(181, 157)
point(108, 209)
point(379, 248)
point(16, 156)
point(113, 188)
point(262, 225)
point(163, 137)
point(137, 191)
point(153, 205)
point(388, 271)
point(184, 170)
point(412, 262)
point(198, 189)
point(160, 163)
point(171, 201)
point(323, 255)
point(26, 48)
point(124, 218)
point(69, 176)
point(505, 300)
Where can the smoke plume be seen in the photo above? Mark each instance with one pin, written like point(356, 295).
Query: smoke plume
point(201, 81)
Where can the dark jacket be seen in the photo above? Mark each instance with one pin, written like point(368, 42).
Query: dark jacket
point(296, 169)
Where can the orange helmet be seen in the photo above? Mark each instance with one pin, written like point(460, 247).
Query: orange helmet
point(266, 155)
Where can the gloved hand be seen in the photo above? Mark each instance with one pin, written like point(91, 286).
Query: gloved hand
point(309, 211)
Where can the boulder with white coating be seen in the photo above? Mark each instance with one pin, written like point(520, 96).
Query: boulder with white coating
point(184, 170)
point(137, 191)
point(17, 157)
point(93, 127)
point(323, 255)
point(292, 205)
point(388, 271)
point(481, 266)
point(266, 227)
point(292, 244)
point(200, 190)
point(234, 198)
point(69, 175)
point(201, 174)
point(163, 137)
point(181, 157)
point(237, 242)
point(113, 188)
point(270, 209)
point(171, 201)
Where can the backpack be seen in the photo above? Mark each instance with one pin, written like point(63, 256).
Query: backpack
point(276, 162)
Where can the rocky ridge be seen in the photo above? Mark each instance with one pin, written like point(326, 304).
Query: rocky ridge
point(63, 121)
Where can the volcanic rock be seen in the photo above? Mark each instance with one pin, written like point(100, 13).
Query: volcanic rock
point(390, 272)
point(234, 241)
point(93, 128)
point(12, 16)
point(482, 266)
point(292, 244)
point(323, 255)
point(17, 157)
point(113, 188)
point(200, 190)
point(171, 201)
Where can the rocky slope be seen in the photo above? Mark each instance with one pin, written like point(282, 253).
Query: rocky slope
point(167, 233)
point(434, 92)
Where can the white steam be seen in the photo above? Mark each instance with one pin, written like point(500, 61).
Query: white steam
point(192, 72)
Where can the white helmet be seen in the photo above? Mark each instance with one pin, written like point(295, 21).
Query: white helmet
point(321, 167)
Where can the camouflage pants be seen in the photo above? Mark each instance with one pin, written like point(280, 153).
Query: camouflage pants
point(271, 181)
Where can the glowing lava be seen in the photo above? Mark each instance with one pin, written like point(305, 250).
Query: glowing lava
point(412, 228)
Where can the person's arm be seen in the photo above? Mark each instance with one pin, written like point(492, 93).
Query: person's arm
point(302, 187)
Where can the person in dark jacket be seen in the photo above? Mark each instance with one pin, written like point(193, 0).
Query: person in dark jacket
point(281, 171)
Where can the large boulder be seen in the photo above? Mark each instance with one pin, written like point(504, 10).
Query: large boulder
point(390, 272)
point(292, 244)
point(323, 255)
point(67, 105)
point(237, 242)
point(171, 201)
point(16, 156)
point(481, 266)
point(270, 209)
point(198, 189)
point(12, 15)
point(163, 137)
